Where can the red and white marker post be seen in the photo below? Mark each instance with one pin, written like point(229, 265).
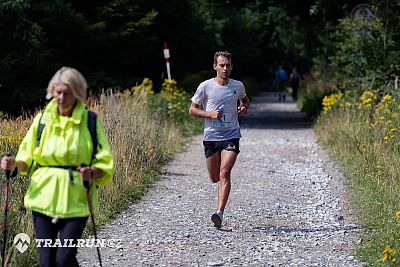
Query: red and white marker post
point(166, 56)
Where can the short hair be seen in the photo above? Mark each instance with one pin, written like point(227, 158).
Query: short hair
point(73, 79)
point(225, 54)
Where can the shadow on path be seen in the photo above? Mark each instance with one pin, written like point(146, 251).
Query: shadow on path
point(285, 229)
point(266, 112)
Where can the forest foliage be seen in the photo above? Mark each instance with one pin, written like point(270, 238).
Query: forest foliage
point(117, 43)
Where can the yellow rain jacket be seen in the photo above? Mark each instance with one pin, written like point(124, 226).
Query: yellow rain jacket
point(65, 141)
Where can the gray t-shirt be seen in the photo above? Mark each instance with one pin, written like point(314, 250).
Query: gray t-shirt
point(212, 96)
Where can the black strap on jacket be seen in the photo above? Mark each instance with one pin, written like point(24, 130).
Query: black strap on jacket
point(70, 169)
point(92, 122)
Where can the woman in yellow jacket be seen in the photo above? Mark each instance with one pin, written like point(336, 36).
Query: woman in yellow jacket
point(59, 164)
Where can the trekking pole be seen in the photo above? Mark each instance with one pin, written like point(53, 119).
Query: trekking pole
point(89, 200)
point(5, 227)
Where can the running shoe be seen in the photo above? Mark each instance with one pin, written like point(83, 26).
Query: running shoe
point(216, 218)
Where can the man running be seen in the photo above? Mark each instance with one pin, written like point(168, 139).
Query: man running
point(216, 101)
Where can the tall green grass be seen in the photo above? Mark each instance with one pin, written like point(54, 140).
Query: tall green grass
point(140, 144)
point(19, 219)
point(363, 135)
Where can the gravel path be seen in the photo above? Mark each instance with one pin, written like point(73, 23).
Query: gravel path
point(287, 205)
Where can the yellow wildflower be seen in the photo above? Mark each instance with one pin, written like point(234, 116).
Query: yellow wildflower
point(329, 101)
point(397, 216)
point(387, 99)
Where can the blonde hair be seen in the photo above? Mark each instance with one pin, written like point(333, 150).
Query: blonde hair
point(73, 79)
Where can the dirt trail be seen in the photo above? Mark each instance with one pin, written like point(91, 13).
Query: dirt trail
point(287, 205)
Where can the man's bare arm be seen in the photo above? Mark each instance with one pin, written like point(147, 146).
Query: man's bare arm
point(198, 112)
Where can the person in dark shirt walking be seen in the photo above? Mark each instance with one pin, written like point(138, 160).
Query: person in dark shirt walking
point(294, 83)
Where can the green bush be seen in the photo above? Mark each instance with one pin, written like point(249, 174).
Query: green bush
point(253, 86)
point(316, 86)
point(192, 81)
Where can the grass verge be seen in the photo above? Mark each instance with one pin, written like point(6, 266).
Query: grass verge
point(365, 142)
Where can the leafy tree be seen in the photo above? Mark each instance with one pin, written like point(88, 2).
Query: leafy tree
point(122, 32)
point(104, 40)
point(364, 49)
point(319, 24)
point(388, 11)
point(118, 42)
point(22, 58)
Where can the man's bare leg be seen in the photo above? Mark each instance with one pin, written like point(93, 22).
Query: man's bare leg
point(214, 166)
point(228, 159)
point(219, 168)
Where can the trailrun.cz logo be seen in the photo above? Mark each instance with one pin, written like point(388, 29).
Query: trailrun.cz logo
point(22, 242)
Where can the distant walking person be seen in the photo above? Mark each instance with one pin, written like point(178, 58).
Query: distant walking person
point(281, 77)
point(216, 101)
point(294, 83)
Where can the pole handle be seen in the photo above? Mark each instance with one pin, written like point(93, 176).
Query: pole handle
point(86, 183)
point(8, 172)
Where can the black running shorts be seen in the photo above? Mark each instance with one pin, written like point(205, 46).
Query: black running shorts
point(212, 147)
